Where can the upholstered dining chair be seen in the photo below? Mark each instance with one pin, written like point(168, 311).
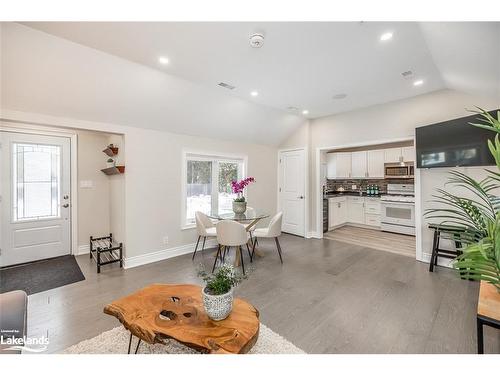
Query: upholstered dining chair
point(230, 234)
point(205, 228)
point(272, 231)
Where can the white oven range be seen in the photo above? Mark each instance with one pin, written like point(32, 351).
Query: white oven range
point(398, 209)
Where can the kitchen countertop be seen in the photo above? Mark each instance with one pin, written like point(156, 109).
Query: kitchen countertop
point(350, 193)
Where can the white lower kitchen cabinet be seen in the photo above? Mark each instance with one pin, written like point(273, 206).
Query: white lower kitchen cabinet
point(372, 220)
point(363, 211)
point(337, 211)
point(356, 210)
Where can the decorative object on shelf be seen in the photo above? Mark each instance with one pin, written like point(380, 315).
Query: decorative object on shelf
point(111, 167)
point(111, 150)
point(105, 251)
point(239, 203)
point(218, 291)
point(476, 217)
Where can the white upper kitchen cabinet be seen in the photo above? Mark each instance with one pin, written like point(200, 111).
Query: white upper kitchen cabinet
point(375, 163)
point(392, 155)
point(408, 153)
point(338, 165)
point(358, 163)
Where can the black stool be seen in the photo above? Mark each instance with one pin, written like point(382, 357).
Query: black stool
point(449, 233)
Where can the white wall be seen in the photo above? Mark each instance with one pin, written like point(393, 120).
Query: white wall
point(93, 203)
point(151, 208)
point(395, 120)
point(153, 185)
point(117, 204)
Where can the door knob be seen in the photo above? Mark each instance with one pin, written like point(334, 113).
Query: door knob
point(301, 197)
point(66, 205)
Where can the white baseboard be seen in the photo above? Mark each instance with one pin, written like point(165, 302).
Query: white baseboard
point(82, 249)
point(156, 256)
point(314, 234)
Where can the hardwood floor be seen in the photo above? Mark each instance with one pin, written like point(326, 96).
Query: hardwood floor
point(327, 297)
point(374, 239)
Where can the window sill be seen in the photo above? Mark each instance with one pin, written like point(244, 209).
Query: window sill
point(188, 226)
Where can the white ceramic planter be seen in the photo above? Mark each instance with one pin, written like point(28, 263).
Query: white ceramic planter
point(218, 307)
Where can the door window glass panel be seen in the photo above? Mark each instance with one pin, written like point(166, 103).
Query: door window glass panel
point(37, 181)
point(198, 188)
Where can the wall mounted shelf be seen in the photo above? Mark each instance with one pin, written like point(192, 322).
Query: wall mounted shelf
point(111, 151)
point(119, 169)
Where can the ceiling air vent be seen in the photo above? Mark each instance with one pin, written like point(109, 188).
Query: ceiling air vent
point(407, 74)
point(226, 86)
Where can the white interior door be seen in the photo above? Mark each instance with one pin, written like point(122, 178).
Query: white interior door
point(35, 197)
point(292, 191)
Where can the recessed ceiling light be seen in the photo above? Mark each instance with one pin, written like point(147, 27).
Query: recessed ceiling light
point(163, 60)
point(254, 93)
point(385, 36)
point(305, 112)
point(339, 96)
point(418, 82)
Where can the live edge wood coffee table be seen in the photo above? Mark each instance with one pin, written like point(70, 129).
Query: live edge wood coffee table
point(164, 311)
point(488, 311)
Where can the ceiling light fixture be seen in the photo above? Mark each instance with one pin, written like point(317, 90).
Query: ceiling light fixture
point(254, 93)
point(418, 82)
point(163, 60)
point(385, 37)
point(305, 112)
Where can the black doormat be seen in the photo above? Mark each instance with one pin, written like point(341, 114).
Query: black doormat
point(42, 275)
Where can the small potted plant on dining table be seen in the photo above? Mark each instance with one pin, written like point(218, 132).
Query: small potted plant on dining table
point(218, 291)
point(239, 203)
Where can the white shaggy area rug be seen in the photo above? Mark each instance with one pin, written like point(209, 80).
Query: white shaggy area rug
point(115, 341)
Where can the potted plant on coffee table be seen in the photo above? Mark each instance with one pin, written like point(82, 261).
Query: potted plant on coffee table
point(239, 203)
point(218, 291)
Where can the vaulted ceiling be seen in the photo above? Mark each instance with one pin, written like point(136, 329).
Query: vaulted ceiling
point(301, 65)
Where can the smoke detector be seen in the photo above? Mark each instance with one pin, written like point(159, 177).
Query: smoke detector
point(256, 40)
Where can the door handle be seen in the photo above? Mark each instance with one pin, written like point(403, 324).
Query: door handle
point(301, 197)
point(66, 205)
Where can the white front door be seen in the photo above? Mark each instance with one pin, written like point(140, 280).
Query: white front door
point(292, 191)
point(35, 200)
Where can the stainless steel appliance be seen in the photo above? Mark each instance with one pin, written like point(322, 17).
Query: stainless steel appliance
point(398, 209)
point(399, 170)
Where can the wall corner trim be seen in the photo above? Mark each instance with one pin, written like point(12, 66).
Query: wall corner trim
point(82, 249)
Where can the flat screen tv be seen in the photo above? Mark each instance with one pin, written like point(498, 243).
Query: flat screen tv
point(454, 143)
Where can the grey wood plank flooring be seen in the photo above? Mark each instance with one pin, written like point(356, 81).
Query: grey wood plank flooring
point(327, 297)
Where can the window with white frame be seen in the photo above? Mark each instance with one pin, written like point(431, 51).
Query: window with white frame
point(207, 184)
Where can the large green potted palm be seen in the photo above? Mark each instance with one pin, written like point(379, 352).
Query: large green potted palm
point(477, 216)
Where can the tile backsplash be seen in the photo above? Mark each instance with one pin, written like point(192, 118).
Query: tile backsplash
point(361, 184)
